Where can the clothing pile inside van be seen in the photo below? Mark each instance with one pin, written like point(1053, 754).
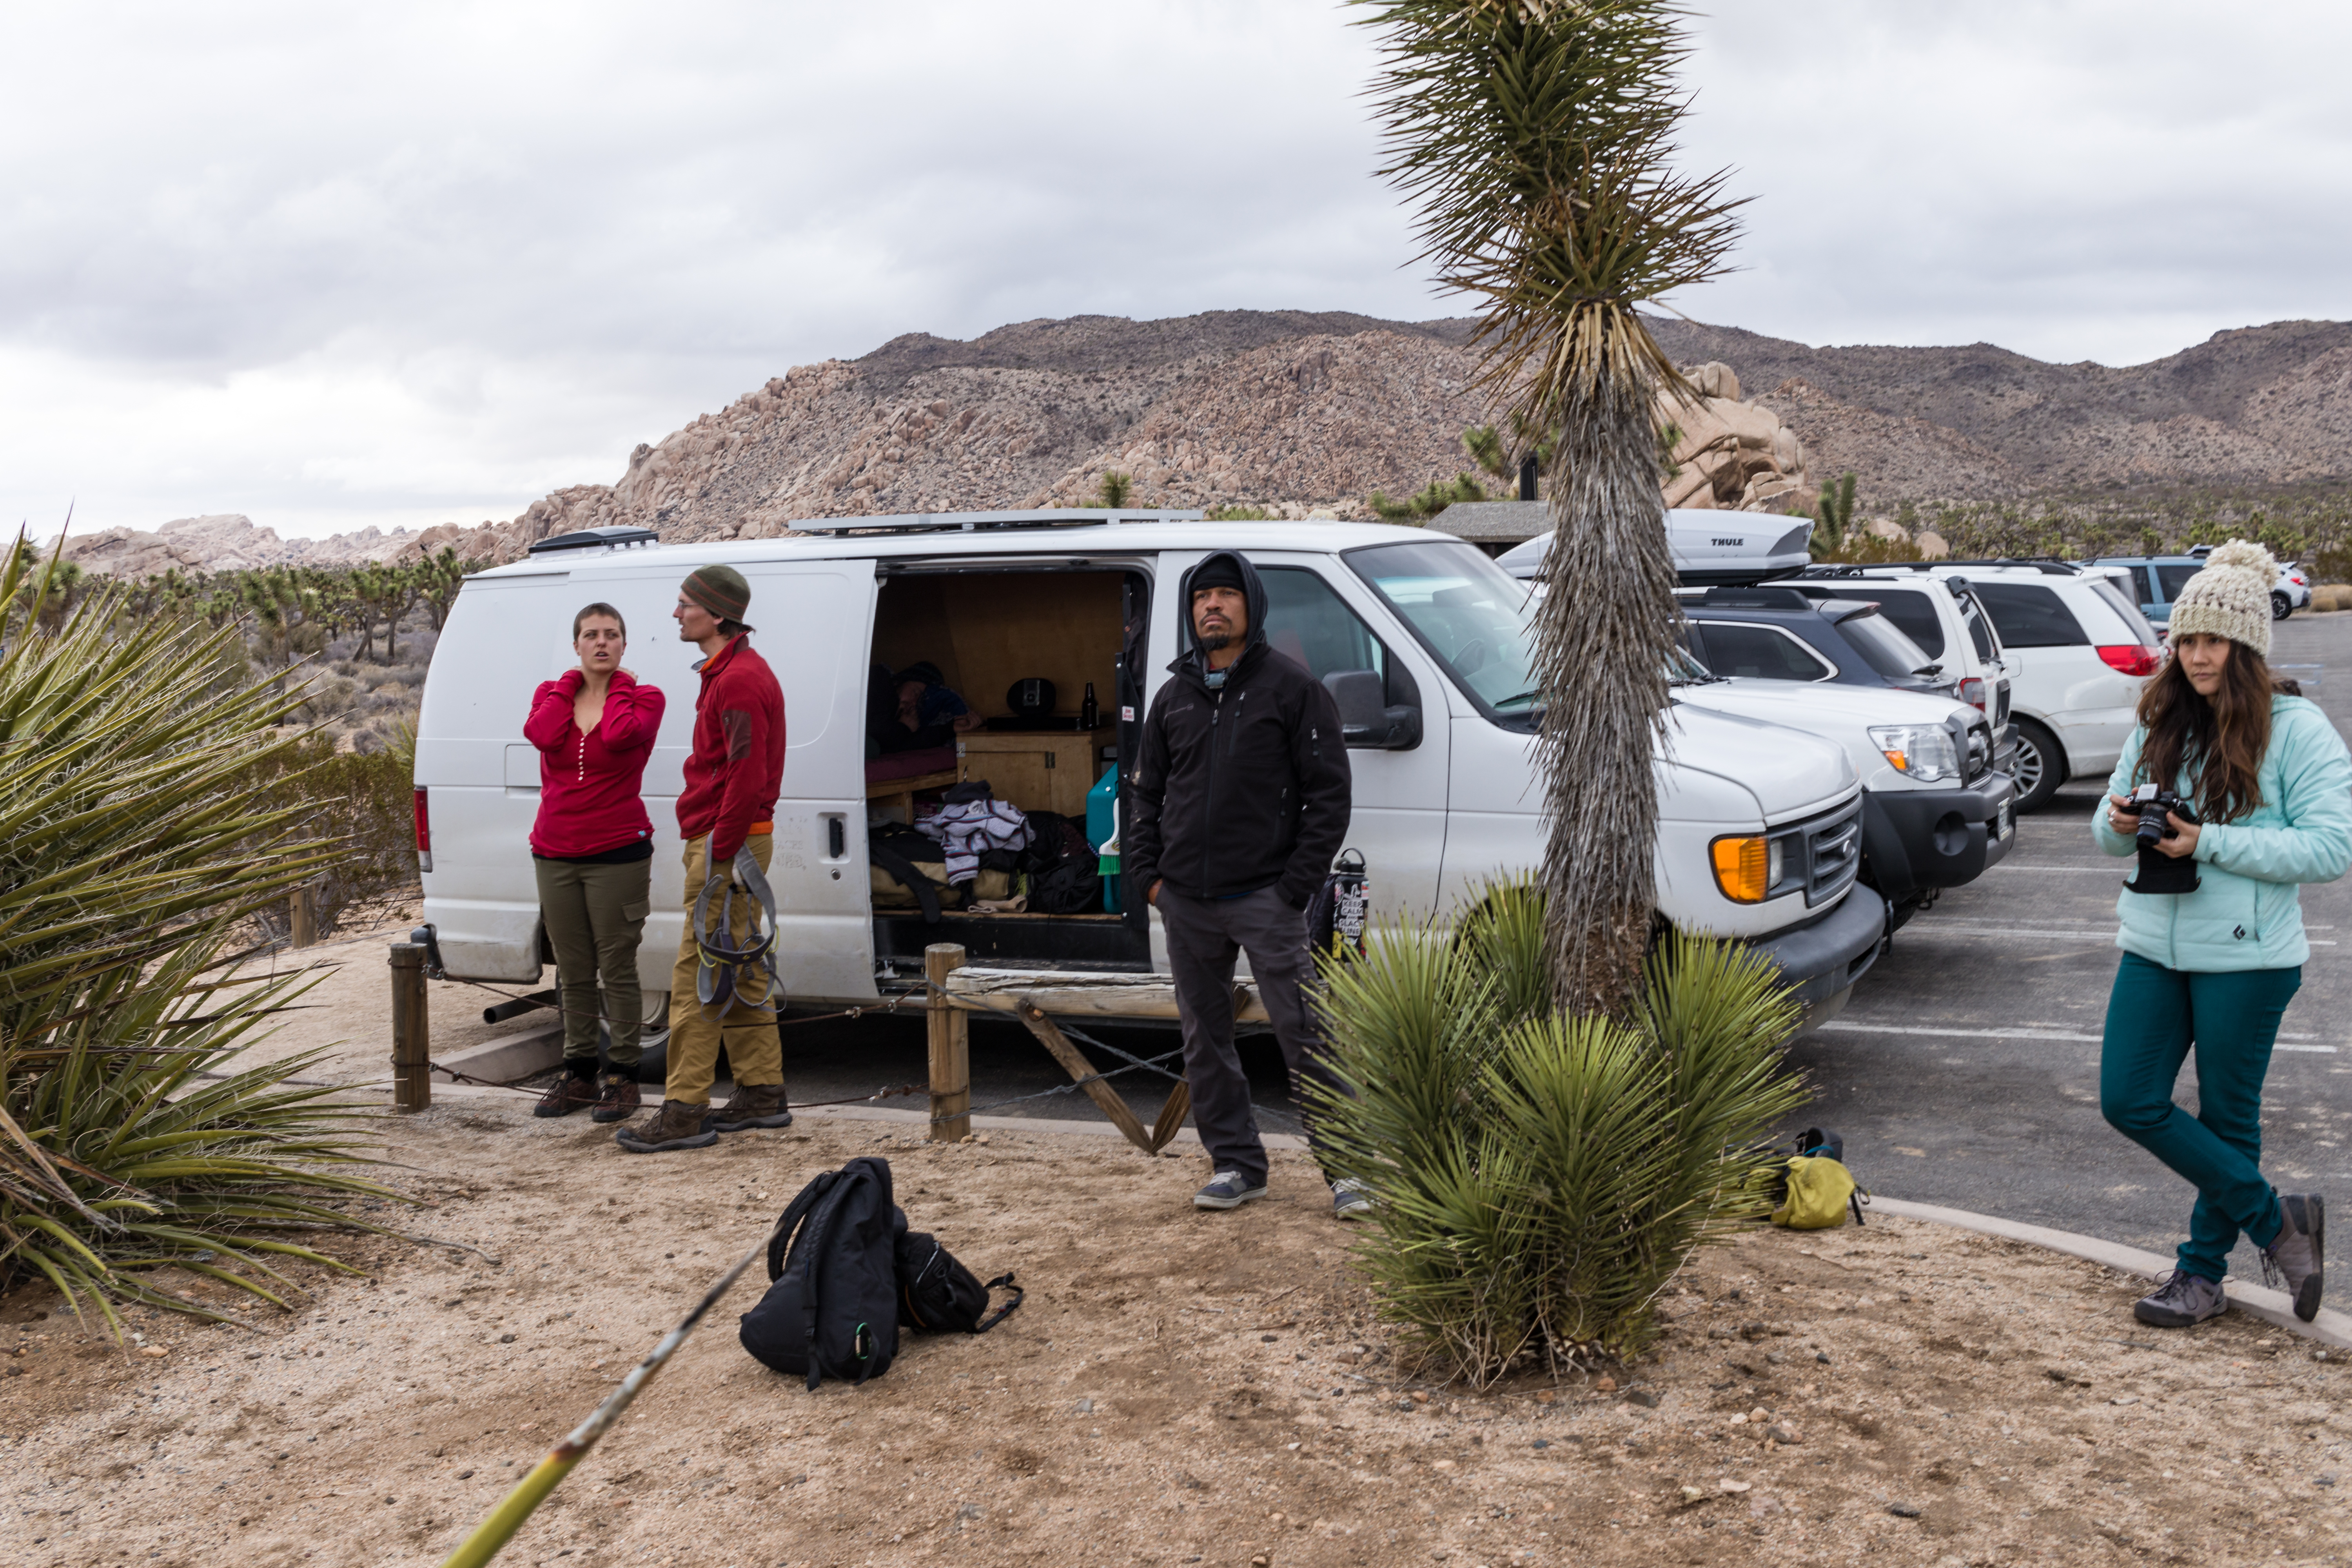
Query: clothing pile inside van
point(972, 851)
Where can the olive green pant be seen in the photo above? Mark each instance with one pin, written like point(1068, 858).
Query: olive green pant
point(754, 1052)
point(595, 916)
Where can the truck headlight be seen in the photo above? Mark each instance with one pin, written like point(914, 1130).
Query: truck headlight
point(1923, 751)
point(1747, 866)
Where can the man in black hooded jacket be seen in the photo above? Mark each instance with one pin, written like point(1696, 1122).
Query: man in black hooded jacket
point(1241, 799)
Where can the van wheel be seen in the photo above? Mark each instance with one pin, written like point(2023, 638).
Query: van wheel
point(2041, 766)
point(2281, 607)
point(653, 1044)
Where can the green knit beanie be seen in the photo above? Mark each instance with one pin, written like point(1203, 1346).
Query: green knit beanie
point(719, 590)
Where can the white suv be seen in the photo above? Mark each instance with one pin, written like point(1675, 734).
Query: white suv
point(1950, 626)
point(2078, 652)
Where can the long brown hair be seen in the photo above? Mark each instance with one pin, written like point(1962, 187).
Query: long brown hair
point(2224, 737)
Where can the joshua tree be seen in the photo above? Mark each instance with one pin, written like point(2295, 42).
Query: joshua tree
point(1114, 489)
point(1536, 137)
point(1835, 514)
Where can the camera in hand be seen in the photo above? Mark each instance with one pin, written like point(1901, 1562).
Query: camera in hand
point(2159, 872)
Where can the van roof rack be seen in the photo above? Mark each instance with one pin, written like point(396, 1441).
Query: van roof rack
point(980, 521)
point(594, 537)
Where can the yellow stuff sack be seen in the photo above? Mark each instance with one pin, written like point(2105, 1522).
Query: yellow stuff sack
point(1820, 1192)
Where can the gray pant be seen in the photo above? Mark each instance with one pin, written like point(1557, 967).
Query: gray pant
point(1204, 936)
point(595, 916)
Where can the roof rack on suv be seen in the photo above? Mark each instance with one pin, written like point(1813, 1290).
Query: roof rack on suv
point(595, 538)
point(2048, 565)
point(973, 521)
point(1756, 598)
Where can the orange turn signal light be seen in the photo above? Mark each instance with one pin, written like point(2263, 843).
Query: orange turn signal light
point(1742, 869)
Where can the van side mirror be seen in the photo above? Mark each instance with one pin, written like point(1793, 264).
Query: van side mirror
point(1366, 719)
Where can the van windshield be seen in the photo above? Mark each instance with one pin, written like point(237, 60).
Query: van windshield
point(1469, 614)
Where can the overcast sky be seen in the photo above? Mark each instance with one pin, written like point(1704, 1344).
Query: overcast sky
point(334, 266)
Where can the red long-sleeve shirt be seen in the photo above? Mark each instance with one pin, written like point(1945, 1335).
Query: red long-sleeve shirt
point(591, 787)
point(736, 770)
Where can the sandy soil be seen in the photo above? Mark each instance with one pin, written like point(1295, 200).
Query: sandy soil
point(1179, 1388)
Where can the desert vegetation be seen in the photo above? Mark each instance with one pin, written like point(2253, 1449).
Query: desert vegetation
point(156, 800)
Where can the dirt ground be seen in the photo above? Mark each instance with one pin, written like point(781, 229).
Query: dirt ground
point(1179, 1388)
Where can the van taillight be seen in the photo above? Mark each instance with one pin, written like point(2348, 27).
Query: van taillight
point(2131, 659)
point(1972, 692)
point(424, 832)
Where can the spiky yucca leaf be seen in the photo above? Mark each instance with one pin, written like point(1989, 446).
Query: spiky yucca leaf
point(1537, 137)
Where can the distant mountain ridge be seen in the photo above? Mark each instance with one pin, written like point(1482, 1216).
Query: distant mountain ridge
point(1304, 411)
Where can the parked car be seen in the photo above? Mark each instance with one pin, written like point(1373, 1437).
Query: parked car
point(2078, 652)
point(2156, 580)
point(1945, 619)
point(1422, 640)
point(1776, 632)
point(1937, 812)
point(1708, 547)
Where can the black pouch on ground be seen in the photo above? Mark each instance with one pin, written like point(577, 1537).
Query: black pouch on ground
point(833, 1310)
point(938, 1294)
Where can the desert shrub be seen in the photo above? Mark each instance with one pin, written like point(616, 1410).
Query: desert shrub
point(1540, 1177)
point(361, 803)
point(1237, 514)
point(1435, 497)
point(139, 826)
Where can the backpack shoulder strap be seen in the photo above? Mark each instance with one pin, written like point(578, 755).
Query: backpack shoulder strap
point(1001, 1282)
point(780, 1244)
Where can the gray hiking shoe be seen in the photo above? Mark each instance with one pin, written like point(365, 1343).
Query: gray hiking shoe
point(1228, 1190)
point(1350, 1200)
point(2182, 1301)
point(2298, 1260)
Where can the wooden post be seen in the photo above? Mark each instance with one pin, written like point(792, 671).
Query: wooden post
point(412, 1037)
point(302, 915)
point(950, 1049)
point(1082, 1072)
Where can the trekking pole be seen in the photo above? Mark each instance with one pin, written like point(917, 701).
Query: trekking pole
point(492, 1534)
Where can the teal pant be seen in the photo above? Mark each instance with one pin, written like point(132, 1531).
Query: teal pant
point(2155, 1015)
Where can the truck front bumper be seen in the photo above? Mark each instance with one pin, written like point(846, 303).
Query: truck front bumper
point(1913, 840)
point(1820, 962)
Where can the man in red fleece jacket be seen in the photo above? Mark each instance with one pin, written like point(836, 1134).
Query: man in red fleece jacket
point(727, 807)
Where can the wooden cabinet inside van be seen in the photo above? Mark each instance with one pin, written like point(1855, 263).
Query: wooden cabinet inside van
point(1049, 772)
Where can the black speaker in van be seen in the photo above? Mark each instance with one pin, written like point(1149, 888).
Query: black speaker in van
point(1032, 697)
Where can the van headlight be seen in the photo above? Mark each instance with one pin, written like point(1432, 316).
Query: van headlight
point(1923, 751)
point(1747, 866)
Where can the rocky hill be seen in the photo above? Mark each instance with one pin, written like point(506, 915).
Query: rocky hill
point(1315, 410)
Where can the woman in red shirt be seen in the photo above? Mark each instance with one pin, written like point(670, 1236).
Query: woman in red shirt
point(593, 847)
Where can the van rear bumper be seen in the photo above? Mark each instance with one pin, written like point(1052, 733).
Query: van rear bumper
point(1820, 961)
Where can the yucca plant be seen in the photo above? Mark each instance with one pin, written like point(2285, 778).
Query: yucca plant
point(1537, 136)
point(137, 830)
point(1541, 1175)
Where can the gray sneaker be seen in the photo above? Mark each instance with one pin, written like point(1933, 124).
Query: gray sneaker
point(2298, 1259)
point(1350, 1200)
point(1227, 1190)
point(2182, 1301)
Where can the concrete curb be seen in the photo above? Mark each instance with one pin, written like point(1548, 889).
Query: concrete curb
point(2331, 1328)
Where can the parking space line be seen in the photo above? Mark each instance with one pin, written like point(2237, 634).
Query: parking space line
point(1991, 928)
point(1864, 1026)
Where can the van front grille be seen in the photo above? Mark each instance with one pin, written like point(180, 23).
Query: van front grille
point(1833, 853)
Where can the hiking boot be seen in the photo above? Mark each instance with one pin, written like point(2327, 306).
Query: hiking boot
point(619, 1097)
point(753, 1105)
point(2182, 1301)
point(575, 1090)
point(1228, 1190)
point(677, 1125)
point(2298, 1259)
point(1350, 1200)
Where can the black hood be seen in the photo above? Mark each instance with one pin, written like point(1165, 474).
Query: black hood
point(1253, 593)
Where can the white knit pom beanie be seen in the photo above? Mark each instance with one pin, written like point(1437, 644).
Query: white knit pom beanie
point(2231, 598)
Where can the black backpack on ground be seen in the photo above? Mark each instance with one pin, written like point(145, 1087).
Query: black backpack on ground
point(833, 1310)
point(938, 1294)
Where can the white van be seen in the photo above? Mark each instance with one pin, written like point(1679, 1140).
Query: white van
point(1440, 723)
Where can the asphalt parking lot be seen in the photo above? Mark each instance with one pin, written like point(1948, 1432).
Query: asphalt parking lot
point(1964, 1071)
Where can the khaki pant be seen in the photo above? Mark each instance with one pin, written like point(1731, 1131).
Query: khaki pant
point(595, 916)
point(748, 1033)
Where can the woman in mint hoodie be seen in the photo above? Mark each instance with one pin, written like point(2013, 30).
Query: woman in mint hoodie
point(2213, 969)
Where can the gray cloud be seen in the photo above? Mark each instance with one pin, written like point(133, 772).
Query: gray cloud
point(329, 266)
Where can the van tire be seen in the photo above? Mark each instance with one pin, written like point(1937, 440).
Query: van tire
point(653, 1059)
point(2041, 766)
